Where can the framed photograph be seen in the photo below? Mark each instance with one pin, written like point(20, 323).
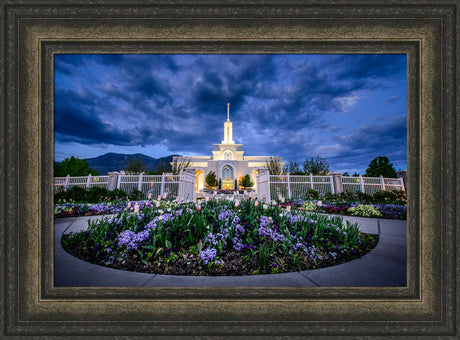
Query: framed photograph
point(38, 36)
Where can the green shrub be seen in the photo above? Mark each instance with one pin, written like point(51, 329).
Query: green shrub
point(136, 195)
point(117, 194)
point(312, 194)
point(96, 194)
point(364, 211)
point(78, 194)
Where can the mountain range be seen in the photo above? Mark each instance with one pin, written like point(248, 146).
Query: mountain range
point(116, 161)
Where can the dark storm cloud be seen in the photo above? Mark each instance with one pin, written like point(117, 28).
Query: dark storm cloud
point(372, 140)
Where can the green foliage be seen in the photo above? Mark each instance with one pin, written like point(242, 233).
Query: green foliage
point(245, 181)
point(381, 166)
point(293, 168)
point(364, 211)
point(309, 206)
point(73, 166)
point(211, 180)
point(178, 167)
point(220, 183)
point(318, 166)
point(184, 233)
point(136, 195)
point(92, 195)
point(133, 167)
point(160, 169)
point(312, 194)
point(388, 197)
point(274, 166)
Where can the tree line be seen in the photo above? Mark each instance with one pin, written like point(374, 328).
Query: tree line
point(379, 166)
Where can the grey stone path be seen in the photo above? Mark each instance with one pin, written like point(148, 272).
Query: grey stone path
point(385, 266)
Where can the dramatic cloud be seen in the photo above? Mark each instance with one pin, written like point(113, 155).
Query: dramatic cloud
point(345, 108)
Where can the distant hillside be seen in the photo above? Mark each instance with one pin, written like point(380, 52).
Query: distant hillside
point(115, 162)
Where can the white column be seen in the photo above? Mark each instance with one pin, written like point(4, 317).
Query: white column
point(332, 184)
point(311, 181)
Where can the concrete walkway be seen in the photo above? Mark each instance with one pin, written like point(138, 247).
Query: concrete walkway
point(385, 266)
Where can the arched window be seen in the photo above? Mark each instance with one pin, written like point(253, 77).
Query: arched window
point(227, 173)
point(227, 155)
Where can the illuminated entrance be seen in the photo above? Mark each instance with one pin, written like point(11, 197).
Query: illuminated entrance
point(199, 180)
point(227, 177)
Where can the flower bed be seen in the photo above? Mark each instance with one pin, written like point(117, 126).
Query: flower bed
point(218, 238)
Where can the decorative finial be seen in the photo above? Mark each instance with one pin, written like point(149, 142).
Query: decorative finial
point(228, 111)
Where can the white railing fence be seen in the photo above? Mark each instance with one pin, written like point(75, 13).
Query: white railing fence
point(292, 186)
point(182, 185)
point(371, 185)
point(63, 183)
point(296, 187)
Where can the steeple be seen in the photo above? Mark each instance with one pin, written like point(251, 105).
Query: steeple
point(228, 129)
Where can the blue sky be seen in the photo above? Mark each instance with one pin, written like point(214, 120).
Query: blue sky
point(348, 109)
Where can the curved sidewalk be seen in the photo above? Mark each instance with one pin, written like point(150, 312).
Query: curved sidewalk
point(385, 266)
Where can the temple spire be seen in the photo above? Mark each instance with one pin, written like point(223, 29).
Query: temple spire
point(228, 129)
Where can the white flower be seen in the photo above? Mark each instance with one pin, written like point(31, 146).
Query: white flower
point(165, 195)
point(160, 212)
point(282, 199)
point(319, 204)
point(136, 208)
point(256, 203)
point(169, 209)
point(159, 198)
point(150, 195)
point(157, 205)
point(288, 208)
point(265, 206)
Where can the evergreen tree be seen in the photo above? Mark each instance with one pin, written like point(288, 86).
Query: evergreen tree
point(274, 166)
point(133, 167)
point(318, 166)
point(293, 169)
point(381, 166)
point(73, 166)
point(211, 180)
point(245, 182)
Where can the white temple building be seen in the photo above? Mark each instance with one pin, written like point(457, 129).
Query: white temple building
point(227, 161)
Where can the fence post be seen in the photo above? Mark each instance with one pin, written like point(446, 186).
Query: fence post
point(119, 181)
point(311, 181)
point(402, 175)
point(382, 181)
point(362, 183)
point(332, 184)
point(289, 186)
point(67, 181)
point(162, 185)
point(139, 183)
point(88, 182)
